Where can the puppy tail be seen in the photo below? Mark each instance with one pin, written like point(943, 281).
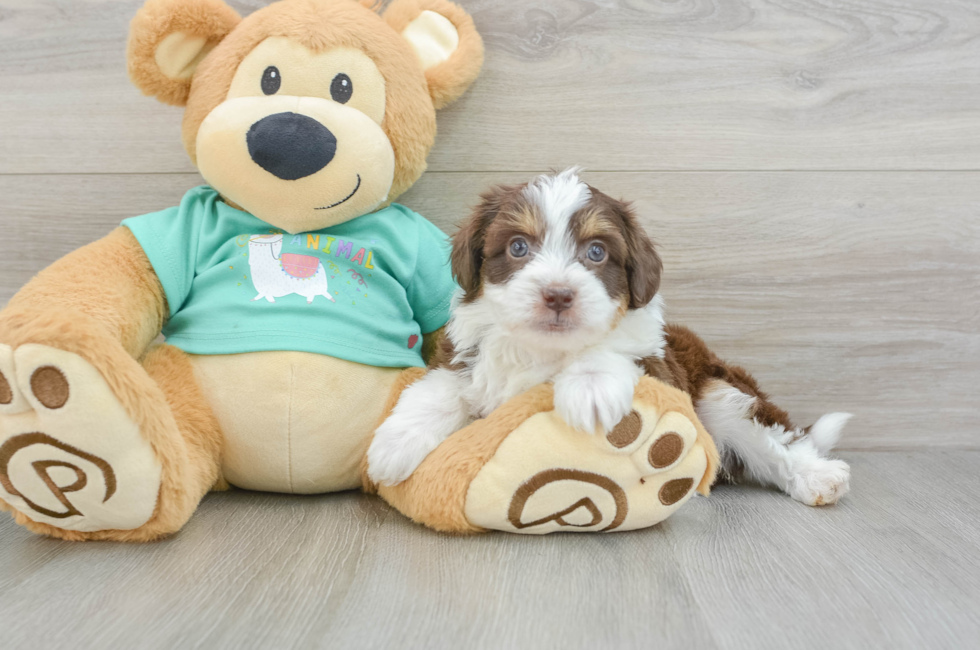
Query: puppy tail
point(825, 432)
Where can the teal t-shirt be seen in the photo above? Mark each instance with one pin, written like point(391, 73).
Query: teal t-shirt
point(365, 290)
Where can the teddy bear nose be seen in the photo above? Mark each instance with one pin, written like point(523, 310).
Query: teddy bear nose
point(291, 146)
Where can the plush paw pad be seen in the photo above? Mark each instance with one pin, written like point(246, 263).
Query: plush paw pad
point(70, 455)
point(6, 392)
point(547, 477)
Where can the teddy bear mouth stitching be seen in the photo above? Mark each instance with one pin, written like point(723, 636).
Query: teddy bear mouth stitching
point(353, 192)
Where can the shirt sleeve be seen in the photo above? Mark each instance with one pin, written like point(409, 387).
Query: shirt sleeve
point(170, 238)
point(431, 290)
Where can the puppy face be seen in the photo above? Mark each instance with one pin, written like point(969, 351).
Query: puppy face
point(557, 261)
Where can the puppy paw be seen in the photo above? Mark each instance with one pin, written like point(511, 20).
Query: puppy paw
point(397, 450)
point(428, 412)
point(823, 483)
point(588, 401)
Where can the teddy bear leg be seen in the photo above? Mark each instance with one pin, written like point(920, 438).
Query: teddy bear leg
point(524, 470)
point(96, 447)
point(435, 494)
point(197, 426)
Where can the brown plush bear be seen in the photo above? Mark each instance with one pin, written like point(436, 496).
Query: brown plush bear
point(294, 296)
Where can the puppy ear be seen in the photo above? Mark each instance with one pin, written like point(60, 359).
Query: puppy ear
point(467, 254)
point(167, 41)
point(643, 266)
point(469, 240)
point(446, 42)
point(467, 257)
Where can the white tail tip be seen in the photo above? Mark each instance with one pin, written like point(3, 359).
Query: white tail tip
point(825, 432)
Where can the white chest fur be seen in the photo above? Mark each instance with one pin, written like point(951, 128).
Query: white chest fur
point(501, 364)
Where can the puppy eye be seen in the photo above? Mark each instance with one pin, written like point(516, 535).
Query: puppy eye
point(596, 253)
point(341, 88)
point(271, 80)
point(518, 248)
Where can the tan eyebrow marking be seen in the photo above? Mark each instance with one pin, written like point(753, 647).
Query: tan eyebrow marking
point(594, 224)
point(524, 219)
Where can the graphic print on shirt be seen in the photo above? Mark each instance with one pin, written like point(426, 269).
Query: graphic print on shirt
point(388, 274)
point(275, 274)
point(351, 285)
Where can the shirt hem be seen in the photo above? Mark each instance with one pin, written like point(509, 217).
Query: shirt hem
point(438, 314)
point(207, 346)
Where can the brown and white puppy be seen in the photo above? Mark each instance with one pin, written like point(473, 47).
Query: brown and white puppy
point(559, 284)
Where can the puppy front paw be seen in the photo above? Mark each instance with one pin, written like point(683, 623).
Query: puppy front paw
point(589, 400)
point(397, 450)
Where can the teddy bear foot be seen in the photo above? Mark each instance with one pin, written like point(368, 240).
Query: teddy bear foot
point(547, 477)
point(523, 470)
point(71, 457)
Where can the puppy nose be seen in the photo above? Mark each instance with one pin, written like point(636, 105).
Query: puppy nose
point(291, 146)
point(558, 298)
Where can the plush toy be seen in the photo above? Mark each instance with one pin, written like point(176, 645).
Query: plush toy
point(294, 297)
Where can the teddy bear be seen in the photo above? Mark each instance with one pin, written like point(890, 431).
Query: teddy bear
point(297, 302)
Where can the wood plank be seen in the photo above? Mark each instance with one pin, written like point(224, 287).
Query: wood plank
point(732, 84)
point(839, 291)
point(871, 573)
point(893, 565)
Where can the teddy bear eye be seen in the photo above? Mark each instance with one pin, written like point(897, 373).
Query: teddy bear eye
point(341, 88)
point(271, 80)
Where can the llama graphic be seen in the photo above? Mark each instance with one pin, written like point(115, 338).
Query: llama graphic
point(275, 275)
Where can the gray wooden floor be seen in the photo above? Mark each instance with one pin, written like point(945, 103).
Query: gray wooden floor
point(811, 170)
point(894, 565)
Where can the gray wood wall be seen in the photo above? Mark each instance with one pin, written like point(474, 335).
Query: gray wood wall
point(810, 169)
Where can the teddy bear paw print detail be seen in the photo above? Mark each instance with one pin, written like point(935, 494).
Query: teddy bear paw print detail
point(547, 477)
point(70, 454)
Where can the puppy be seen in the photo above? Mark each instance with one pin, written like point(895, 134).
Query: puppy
point(559, 284)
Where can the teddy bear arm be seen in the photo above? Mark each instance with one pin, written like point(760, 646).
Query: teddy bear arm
point(434, 348)
point(110, 281)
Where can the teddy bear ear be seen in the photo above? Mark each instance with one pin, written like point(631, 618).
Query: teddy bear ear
point(167, 41)
point(446, 42)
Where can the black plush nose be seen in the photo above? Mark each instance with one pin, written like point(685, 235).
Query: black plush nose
point(558, 299)
point(291, 146)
